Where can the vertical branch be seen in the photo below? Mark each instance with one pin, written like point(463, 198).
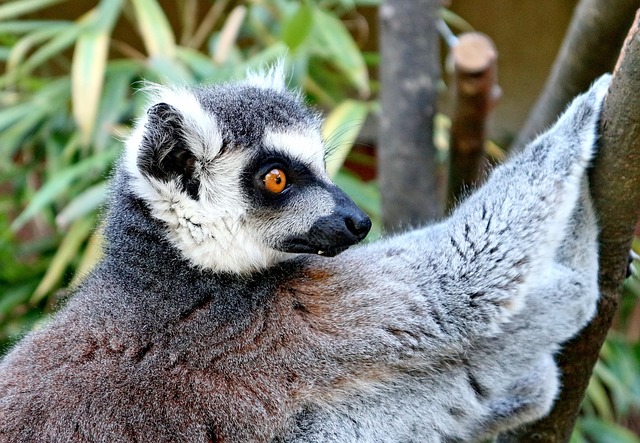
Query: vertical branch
point(475, 94)
point(589, 49)
point(615, 186)
point(409, 72)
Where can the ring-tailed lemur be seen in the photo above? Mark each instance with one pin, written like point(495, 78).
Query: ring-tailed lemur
point(204, 322)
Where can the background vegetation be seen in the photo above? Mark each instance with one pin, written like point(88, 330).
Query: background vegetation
point(68, 96)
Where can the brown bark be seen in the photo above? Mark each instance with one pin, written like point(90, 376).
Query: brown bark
point(409, 73)
point(615, 186)
point(475, 95)
point(589, 49)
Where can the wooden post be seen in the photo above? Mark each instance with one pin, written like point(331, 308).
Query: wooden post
point(474, 83)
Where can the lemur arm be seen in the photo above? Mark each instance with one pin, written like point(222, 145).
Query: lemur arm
point(437, 289)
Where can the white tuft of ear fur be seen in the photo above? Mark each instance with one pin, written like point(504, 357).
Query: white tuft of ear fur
point(271, 78)
point(201, 132)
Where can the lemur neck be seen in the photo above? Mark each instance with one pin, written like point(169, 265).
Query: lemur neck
point(135, 239)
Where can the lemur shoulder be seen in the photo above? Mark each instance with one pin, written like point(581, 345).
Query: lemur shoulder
point(227, 308)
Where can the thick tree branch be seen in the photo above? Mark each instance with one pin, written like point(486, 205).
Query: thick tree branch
point(589, 49)
point(615, 186)
point(475, 95)
point(409, 72)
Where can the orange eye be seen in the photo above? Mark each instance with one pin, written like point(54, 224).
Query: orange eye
point(275, 180)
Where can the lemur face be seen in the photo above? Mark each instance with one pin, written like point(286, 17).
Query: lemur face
point(237, 174)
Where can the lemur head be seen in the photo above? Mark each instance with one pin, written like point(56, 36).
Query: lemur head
point(237, 174)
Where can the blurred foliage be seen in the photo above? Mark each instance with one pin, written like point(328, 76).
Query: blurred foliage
point(67, 98)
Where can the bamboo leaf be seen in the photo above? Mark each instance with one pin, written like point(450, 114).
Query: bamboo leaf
point(90, 257)
point(12, 114)
point(201, 65)
point(116, 102)
point(15, 296)
point(229, 34)
point(340, 130)
point(24, 26)
point(87, 78)
point(86, 202)
point(296, 29)
point(20, 50)
point(453, 19)
point(263, 58)
point(21, 7)
point(155, 29)
point(88, 66)
point(164, 70)
point(65, 254)
point(604, 432)
point(333, 41)
point(576, 436)
point(598, 396)
point(61, 41)
point(23, 123)
point(60, 183)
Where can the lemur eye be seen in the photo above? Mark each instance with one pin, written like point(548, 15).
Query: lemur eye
point(275, 180)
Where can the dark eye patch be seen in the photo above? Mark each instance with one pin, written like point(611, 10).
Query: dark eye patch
point(298, 174)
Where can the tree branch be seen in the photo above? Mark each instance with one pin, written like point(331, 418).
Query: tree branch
point(589, 49)
point(615, 187)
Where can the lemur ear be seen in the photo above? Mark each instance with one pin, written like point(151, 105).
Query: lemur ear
point(164, 151)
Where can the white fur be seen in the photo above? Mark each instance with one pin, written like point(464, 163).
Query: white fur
point(272, 78)
point(306, 147)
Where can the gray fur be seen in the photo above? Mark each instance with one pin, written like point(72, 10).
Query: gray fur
point(442, 334)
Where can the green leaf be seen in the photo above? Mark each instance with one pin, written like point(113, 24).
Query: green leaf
point(65, 254)
point(263, 58)
point(576, 435)
point(24, 26)
point(166, 70)
point(61, 41)
point(12, 114)
point(20, 7)
point(116, 103)
point(599, 398)
point(332, 41)
point(87, 201)
point(60, 183)
point(23, 46)
point(91, 256)
point(296, 29)
point(23, 123)
point(229, 34)
point(365, 194)
point(603, 432)
point(89, 64)
point(155, 29)
point(201, 65)
point(340, 130)
point(87, 77)
point(453, 19)
point(15, 296)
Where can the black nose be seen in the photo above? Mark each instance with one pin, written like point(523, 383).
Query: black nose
point(358, 225)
